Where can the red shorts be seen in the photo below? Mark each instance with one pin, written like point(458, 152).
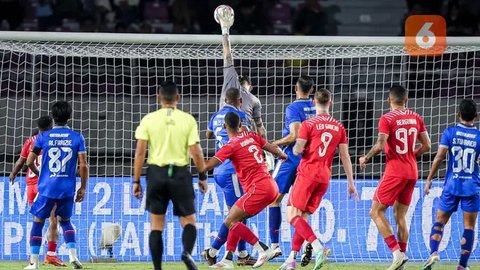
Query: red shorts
point(258, 197)
point(391, 189)
point(307, 195)
point(32, 191)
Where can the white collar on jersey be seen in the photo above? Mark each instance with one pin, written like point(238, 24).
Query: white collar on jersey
point(465, 126)
point(61, 127)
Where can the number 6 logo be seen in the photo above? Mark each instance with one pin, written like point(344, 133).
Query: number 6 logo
point(425, 35)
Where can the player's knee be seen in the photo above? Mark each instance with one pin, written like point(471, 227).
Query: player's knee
point(373, 213)
point(184, 221)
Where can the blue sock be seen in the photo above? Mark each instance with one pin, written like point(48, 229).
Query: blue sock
point(68, 233)
point(274, 222)
point(467, 245)
point(221, 237)
point(36, 237)
point(435, 243)
point(242, 245)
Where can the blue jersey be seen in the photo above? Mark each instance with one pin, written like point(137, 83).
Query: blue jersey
point(60, 147)
point(463, 144)
point(216, 125)
point(298, 111)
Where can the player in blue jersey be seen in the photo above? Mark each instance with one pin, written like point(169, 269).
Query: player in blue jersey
point(62, 149)
point(224, 174)
point(285, 172)
point(462, 182)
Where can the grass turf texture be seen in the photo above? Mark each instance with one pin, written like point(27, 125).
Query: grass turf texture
point(180, 266)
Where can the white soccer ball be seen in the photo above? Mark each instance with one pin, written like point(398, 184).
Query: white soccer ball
point(224, 11)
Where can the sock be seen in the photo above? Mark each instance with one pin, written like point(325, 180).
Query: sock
point(52, 248)
point(274, 222)
point(36, 238)
point(260, 246)
point(156, 248)
point(435, 243)
point(396, 253)
point(212, 252)
point(302, 227)
point(297, 242)
point(189, 236)
point(237, 232)
point(403, 246)
point(293, 256)
point(242, 245)
point(467, 245)
point(221, 237)
point(392, 243)
point(242, 253)
point(68, 233)
point(316, 245)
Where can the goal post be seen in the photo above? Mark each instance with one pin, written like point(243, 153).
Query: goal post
point(111, 81)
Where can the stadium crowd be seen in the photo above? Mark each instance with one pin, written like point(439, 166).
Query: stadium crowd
point(300, 17)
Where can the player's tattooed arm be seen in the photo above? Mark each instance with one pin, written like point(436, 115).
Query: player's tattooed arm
point(376, 149)
point(227, 51)
point(275, 150)
point(212, 163)
point(425, 144)
point(437, 162)
point(209, 134)
point(299, 147)
point(291, 137)
point(31, 160)
point(260, 127)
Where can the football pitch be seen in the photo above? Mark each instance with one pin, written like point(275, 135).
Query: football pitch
point(180, 266)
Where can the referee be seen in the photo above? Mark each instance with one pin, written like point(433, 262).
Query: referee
point(171, 135)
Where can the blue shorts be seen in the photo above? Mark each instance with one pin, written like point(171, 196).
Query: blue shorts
point(42, 207)
point(285, 173)
point(448, 203)
point(230, 186)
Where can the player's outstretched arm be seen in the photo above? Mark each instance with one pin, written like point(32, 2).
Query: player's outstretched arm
point(425, 144)
point(227, 50)
point(83, 171)
point(225, 19)
point(275, 151)
point(139, 161)
point(299, 147)
point(437, 162)
point(31, 160)
point(347, 167)
point(196, 153)
point(291, 137)
point(376, 149)
point(212, 163)
point(17, 168)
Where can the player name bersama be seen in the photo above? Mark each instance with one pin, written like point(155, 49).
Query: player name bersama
point(406, 122)
point(326, 126)
point(60, 143)
point(247, 142)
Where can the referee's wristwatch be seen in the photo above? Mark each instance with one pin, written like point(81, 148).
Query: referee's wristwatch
point(202, 176)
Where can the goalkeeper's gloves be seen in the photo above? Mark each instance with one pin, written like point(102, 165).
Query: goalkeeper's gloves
point(226, 19)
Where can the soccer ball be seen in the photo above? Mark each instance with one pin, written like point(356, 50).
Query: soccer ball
point(223, 11)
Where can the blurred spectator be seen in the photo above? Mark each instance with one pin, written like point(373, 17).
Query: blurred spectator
point(88, 25)
point(252, 20)
point(45, 16)
point(68, 9)
point(125, 14)
point(12, 12)
point(460, 21)
point(311, 20)
point(181, 16)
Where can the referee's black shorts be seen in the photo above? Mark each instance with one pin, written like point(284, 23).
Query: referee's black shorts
point(161, 189)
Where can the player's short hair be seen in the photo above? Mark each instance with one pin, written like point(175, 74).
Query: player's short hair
point(398, 94)
point(61, 112)
point(232, 94)
point(232, 120)
point(305, 83)
point(467, 109)
point(169, 91)
point(323, 96)
point(44, 122)
point(244, 79)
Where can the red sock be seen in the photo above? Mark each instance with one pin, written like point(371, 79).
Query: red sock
point(403, 246)
point(52, 246)
point(240, 231)
point(302, 227)
point(297, 242)
point(392, 243)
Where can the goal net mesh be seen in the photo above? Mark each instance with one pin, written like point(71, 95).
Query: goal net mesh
point(112, 85)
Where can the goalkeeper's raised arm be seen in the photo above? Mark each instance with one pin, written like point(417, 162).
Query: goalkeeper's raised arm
point(250, 103)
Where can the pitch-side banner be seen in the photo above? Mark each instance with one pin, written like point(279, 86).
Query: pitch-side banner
point(341, 223)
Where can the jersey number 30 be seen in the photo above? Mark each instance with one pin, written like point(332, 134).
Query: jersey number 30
point(56, 163)
point(464, 159)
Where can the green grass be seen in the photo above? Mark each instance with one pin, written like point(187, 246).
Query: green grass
point(179, 266)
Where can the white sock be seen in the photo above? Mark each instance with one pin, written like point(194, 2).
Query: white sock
point(258, 247)
point(292, 257)
point(212, 252)
point(51, 253)
point(396, 254)
point(34, 259)
point(274, 245)
point(316, 245)
point(242, 254)
point(72, 254)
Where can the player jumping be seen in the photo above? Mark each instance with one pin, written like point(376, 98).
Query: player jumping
point(225, 176)
point(398, 132)
point(244, 150)
point(317, 141)
point(62, 148)
point(462, 182)
point(285, 172)
point(44, 123)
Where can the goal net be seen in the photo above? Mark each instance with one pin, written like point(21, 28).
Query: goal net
point(111, 81)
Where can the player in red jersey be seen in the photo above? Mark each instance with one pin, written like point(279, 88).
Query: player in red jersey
point(317, 141)
point(44, 123)
point(244, 149)
point(398, 133)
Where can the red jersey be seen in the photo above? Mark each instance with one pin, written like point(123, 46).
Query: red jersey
point(32, 179)
point(323, 135)
point(403, 128)
point(245, 152)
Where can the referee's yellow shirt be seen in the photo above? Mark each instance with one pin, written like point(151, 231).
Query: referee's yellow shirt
point(169, 133)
